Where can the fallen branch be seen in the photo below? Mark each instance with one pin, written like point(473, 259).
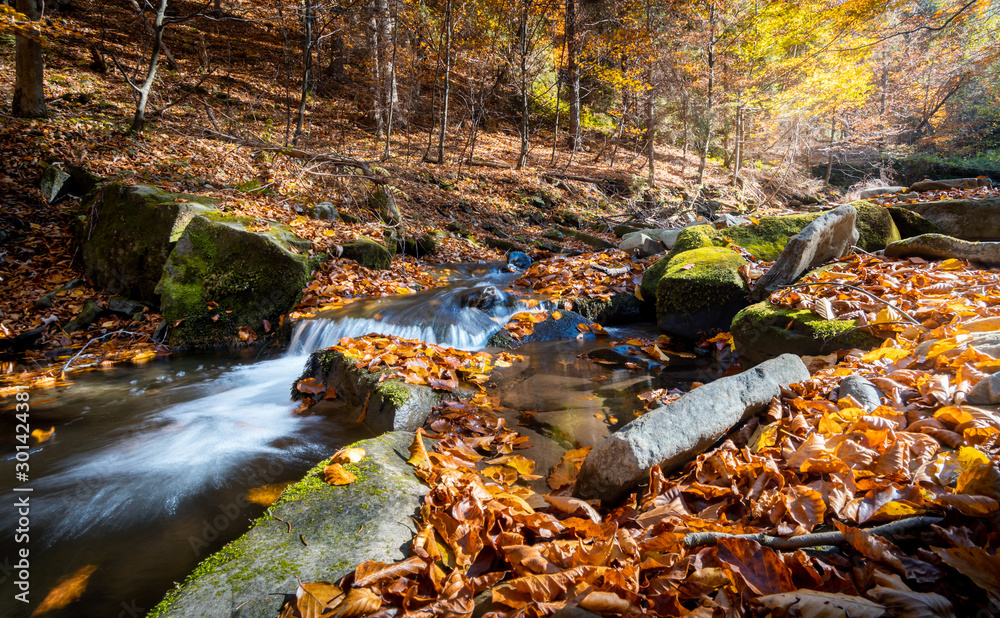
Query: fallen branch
point(596, 181)
point(909, 318)
point(298, 153)
point(483, 163)
point(902, 526)
point(92, 340)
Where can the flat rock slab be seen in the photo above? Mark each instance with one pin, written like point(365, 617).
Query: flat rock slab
point(944, 247)
point(965, 219)
point(344, 526)
point(671, 435)
point(829, 237)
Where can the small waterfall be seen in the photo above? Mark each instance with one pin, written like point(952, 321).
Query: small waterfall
point(462, 315)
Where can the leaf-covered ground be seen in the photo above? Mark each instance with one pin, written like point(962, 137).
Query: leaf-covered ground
point(818, 507)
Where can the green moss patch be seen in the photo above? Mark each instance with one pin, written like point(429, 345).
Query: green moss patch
point(700, 291)
point(764, 331)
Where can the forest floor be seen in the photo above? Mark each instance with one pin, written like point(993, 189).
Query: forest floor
point(812, 461)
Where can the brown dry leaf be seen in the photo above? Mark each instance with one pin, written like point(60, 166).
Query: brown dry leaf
point(818, 604)
point(348, 455)
point(359, 602)
point(41, 435)
point(570, 505)
point(976, 564)
point(265, 495)
point(335, 474)
point(418, 453)
point(904, 602)
point(607, 602)
point(68, 590)
point(312, 599)
point(761, 568)
point(310, 386)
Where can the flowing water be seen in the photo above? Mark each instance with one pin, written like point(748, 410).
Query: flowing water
point(149, 467)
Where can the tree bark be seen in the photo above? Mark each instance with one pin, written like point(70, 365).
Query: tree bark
point(392, 77)
point(447, 81)
point(139, 120)
point(573, 70)
point(709, 101)
point(829, 156)
point(522, 156)
point(307, 45)
point(29, 71)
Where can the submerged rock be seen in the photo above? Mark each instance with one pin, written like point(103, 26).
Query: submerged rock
point(619, 309)
point(369, 519)
point(129, 233)
point(938, 246)
point(221, 277)
point(764, 331)
point(671, 435)
point(700, 291)
point(566, 326)
point(828, 237)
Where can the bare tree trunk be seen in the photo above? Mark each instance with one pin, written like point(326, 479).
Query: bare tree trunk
point(373, 32)
point(738, 143)
point(447, 80)
point(522, 156)
point(307, 45)
point(709, 101)
point(555, 138)
point(650, 104)
point(392, 76)
point(139, 120)
point(573, 69)
point(29, 71)
point(829, 157)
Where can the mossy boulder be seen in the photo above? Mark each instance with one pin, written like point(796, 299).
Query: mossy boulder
point(764, 331)
point(128, 234)
point(766, 239)
point(425, 244)
point(911, 224)
point(368, 253)
point(383, 204)
point(967, 219)
point(314, 532)
point(221, 276)
point(382, 405)
point(700, 291)
point(619, 309)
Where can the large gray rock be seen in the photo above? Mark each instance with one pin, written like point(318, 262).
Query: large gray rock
point(222, 276)
point(943, 247)
point(985, 342)
point(829, 237)
point(951, 183)
point(385, 405)
point(986, 391)
point(129, 232)
point(671, 435)
point(641, 244)
point(876, 191)
point(863, 391)
point(965, 219)
point(370, 519)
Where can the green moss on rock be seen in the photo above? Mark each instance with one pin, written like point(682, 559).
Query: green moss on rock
point(368, 253)
point(249, 276)
point(764, 331)
point(700, 291)
point(911, 224)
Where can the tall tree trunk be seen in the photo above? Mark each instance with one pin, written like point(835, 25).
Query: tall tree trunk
point(650, 111)
point(307, 43)
point(738, 144)
point(139, 120)
point(374, 43)
point(29, 85)
point(829, 156)
point(392, 77)
point(573, 70)
point(522, 156)
point(555, 138)
point(709, 101)
point(447, 80)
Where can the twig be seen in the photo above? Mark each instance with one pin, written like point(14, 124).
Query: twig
point(909, 318)
point(92, 340)
point(902, 526)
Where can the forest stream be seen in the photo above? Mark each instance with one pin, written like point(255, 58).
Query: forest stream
point(149, 470)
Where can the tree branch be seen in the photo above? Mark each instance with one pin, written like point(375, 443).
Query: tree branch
point(902, 526)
